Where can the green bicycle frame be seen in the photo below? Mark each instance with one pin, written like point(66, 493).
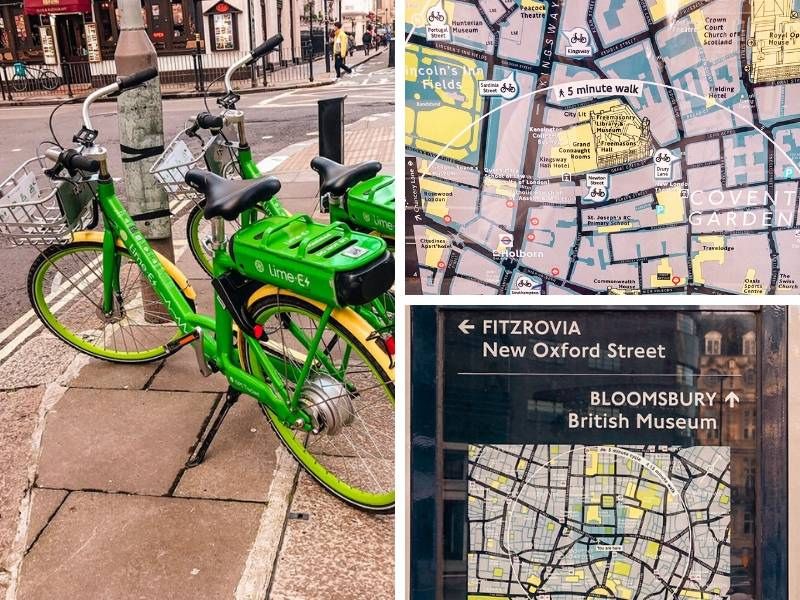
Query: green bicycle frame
point(218, 347)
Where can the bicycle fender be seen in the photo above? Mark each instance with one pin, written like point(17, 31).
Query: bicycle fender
point(174, 272)
point(348, 318)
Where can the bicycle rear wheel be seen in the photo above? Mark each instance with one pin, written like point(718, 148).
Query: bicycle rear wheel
point(19, 83)
point(65, 287)
point(352, 456)
point(49, 80)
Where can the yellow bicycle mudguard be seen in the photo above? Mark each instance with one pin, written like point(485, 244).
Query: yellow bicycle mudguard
point(347, 317)
point(174, 272)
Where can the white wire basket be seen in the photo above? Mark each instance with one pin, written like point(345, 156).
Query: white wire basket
point(37, 210)
point(187, 151)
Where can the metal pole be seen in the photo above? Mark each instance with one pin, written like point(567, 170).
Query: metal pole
point(141, 129)
point(391, 53)
point(326, 40)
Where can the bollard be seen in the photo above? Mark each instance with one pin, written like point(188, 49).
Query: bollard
point(331, 128)
point(391, 53)
point(141, 136)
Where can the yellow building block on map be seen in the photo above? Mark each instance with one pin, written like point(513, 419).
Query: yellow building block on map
point(621, 568)
point(575, 577)
point(482, 597)
point(751, 288)
point(662, 8)
point(673, 209)
point(498, 572)
point(534, 580)
point(593, 514)
point(664, 266)
point(651, 550)
point(591, 464)
point(437, 193)
point(434, 254)
point(718, 256)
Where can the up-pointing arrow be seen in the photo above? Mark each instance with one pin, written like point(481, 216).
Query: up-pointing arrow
point(732, 399)
point(466, 327)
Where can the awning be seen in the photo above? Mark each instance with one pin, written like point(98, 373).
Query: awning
point(54, 7)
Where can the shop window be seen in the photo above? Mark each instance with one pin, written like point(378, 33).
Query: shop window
point(222, 19)
point(713, 343)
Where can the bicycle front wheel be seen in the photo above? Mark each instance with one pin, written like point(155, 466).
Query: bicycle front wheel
point(352, 456)
point(65, 287)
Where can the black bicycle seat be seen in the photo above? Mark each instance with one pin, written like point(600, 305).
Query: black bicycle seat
point(336, 178)
point(228, 198)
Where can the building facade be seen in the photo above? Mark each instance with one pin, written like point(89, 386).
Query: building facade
point(86, 31)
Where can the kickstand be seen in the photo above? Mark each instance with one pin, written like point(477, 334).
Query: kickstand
point(231, 396)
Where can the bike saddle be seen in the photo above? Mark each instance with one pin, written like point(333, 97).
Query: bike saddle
point(337, 178)
point(229, 198)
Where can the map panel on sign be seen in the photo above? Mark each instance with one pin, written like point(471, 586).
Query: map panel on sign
point(579, 522)
point(631, 148)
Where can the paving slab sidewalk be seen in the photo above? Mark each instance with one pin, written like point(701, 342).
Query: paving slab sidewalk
point(108, 508)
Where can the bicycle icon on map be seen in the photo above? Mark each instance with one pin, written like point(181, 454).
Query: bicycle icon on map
point(597, 193)
point(663, 157)
point(508, 87)
point(436, 16)
point(579, 38)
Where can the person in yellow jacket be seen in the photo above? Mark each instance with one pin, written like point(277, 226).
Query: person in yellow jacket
point(340, 50)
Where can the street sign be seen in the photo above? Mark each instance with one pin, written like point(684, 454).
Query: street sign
point(534, 427)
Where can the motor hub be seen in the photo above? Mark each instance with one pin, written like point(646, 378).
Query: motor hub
point(328, 403)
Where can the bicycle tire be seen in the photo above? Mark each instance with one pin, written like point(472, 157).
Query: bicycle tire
point(19, 83)
point(49, 80)
point(326, 463)
point(55, 301)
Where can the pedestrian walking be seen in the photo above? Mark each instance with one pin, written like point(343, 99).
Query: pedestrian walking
point(367, 39)
point(340, 50)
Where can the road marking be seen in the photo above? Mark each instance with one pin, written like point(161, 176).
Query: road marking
point(271, 162)
point(313, 133)
point(16, 149)
point(266, 137)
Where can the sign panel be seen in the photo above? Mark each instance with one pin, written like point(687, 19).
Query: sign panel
point(48, 45)
point(93, 43)
point(595, 453)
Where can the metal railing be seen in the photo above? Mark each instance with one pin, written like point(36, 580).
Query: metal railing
point(179, 73)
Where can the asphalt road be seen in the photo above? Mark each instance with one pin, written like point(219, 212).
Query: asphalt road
point(275, 120)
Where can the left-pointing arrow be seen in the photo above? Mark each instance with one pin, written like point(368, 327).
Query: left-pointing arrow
point(466, 327)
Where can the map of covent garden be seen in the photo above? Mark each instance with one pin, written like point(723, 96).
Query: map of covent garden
point(602, 146)
point(598, 522)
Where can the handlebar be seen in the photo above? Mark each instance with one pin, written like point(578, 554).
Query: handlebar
point(120, 85)
point(138, 78)
point(72, 160)
point(248, 59)
point(265, 48)
point(206, 120)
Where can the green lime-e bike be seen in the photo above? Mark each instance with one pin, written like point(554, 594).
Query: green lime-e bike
point(357, 196)
point(282, 331)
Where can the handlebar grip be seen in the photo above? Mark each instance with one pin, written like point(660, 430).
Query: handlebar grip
point(138, 78)
point(74, 161)
point(265, 48)
point(208, 121)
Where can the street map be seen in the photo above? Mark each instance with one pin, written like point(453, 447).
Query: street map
point(602, 147)
point(593, 522)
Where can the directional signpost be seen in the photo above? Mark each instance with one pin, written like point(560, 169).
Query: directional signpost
point(604, 451)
